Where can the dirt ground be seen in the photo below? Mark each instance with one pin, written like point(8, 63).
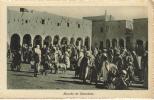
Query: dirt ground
point(25, 80)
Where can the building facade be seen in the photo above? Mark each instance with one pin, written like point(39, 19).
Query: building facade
point(107, 32)
point(33, 27)
point(140, 36)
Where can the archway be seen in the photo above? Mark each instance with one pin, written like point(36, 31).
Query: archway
point(87, 43)
point(56, 40)
point(15, 42)
point(101, 46)
point(79, 41)
point(121, 43)
point(64, 41)
point(146, 45)
point(47, 41)
point(72, 40)
point(128, 43)
point(37, 40)
point(107, 43)
point(27, 40)
point(114, 43)
point(25, 47)
point(139, 47)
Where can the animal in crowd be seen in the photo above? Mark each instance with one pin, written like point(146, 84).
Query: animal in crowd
point(77, 71)
point(61, 67)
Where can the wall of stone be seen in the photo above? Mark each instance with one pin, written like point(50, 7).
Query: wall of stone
point(119, 29)
point(140, 29)
point(103, 30)
point(44, 24)
point(98, 30)
point(115, 29)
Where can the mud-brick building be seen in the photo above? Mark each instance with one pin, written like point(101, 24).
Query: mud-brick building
point(107, 32)
point(34, 27)
point(140, 36)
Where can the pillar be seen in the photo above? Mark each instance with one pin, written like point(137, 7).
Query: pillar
point(74, 41)
point(83, 41)
point(124, 43)
point(21, 39)
point(134, 44)
point(52, 40)
point(43, 38)
point(68, 42)
point(90, 44)
point(144, 45)
point(32, 39)
point(118, 44)
point(59, 40)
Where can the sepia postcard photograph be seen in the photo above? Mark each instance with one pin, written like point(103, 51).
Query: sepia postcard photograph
point(77, 51)
point(53, 48)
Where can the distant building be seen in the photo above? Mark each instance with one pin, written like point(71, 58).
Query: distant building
point(140, 34)
point(107, 32)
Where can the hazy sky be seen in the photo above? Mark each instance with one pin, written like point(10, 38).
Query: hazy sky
point(79, 12)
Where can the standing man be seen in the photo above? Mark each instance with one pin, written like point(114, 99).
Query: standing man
point(67, 59)
point(145, 69)
point(105, 67)
point(43, 52)
point(16, 61)
point(81, 56)
point(37, 60)
point(85, 67)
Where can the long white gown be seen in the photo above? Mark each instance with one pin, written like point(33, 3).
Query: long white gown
point(105, 70)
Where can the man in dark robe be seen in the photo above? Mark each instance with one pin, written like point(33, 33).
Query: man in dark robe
point(16, 61)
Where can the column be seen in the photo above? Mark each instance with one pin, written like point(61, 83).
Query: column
point(110, 43)
point(43, 38)
point(59, 40)
point(105, 44)
point(52, 40)
point(134, 44)
point(90, 43)
point(124, 43)
point(32, 40)
point(75, 41)
point(117, 43)
point(21, 39)
point(144, 45)
point(83, 44)
point(68, 42)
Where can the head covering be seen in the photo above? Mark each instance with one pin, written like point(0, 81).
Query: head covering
point(117, 52)
point(133, 52)
point(67, 54)
point(38, 46)
point(54, 48)
point(124, 72)
point(81, 50)
point(104, 54)
point(146, 52)
point(104, 50)
point(88, 53)
point(48, 51)
point(99, 51)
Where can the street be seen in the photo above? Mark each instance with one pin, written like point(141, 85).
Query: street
point(25, 80)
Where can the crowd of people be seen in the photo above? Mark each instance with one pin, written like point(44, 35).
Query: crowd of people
point(116, 68)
